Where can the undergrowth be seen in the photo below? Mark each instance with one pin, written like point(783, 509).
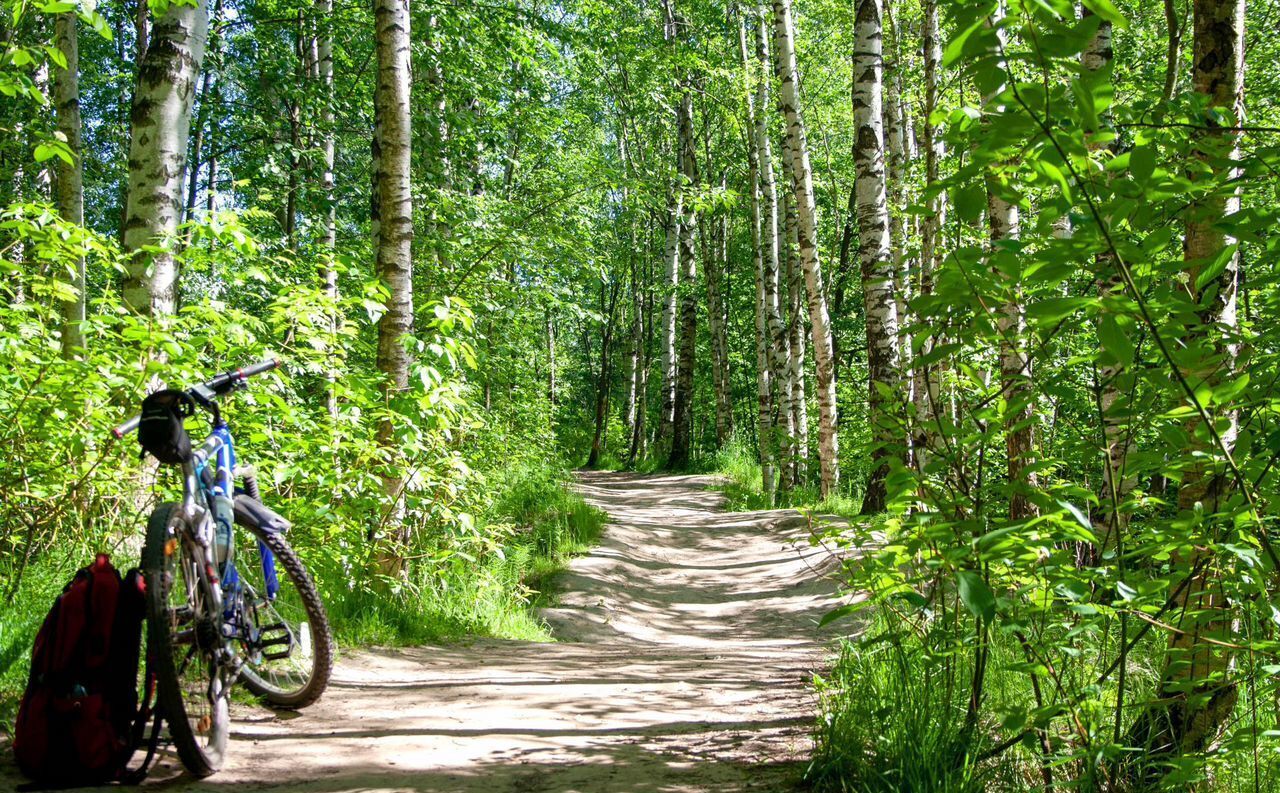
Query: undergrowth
point(542, 521)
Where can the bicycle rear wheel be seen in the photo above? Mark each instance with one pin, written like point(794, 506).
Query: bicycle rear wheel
point(184, 632)
point(289, 648)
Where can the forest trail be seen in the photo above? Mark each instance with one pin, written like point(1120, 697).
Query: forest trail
point(687, 642)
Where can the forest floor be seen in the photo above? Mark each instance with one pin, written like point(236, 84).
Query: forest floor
point(687, 644)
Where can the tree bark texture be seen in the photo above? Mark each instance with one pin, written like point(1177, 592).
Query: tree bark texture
point(160, 123)
point(69, 181)
point(875, 258)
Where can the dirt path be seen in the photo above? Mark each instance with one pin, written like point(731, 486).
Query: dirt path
point(687, 643)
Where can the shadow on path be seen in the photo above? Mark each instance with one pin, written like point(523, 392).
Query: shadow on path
point(687, 642)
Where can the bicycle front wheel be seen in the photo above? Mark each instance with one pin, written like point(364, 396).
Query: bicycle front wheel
point(288, 645)
point(184, 634)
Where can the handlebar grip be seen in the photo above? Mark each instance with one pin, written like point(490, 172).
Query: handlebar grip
point(259, 368)
point(127, 427)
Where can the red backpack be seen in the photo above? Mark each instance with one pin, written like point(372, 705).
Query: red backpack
point(80, 719)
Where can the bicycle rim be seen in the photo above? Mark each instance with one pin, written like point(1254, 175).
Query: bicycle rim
point(285, 638)
point(183, 634)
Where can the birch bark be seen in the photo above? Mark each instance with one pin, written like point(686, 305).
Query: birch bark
point(874, 248)
point(764, 345)
point(927, 381)
point(393, 236)
point(806, 210)
point(161, 121)
point(1198, 692)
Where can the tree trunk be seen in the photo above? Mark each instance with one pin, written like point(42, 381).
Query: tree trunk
point(774, 246)
point(1015, 362)
point(763, 337)
point(682, 413)
point(714, 267)
point(70, 176)
point(926, 387)
point(874, 250)
point(1173, 51)
point(161, 121)
point(670, 287)
point(393, 230)
point(788, 265)
point(328, 151)
point(1198, 693)
point(795, 373)
point(602, 383)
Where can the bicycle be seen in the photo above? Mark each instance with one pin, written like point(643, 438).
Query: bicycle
point(218, 610)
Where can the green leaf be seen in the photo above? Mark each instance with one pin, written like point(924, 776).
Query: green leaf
point(1142, 163)
point(1107, 11)
point(839, 613)
point(976, 595)
point(1216, 266)
point(1114, 341)
point(1076, 513)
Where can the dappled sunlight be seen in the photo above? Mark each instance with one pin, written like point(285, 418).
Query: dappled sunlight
point(687, 640)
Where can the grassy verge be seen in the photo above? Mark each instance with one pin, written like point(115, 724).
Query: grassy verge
point(736, 462)
point(540, 523)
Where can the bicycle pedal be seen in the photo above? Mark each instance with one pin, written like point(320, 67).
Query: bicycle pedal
point(275, 635)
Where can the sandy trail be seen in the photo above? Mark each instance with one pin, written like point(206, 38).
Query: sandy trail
point(688, 640)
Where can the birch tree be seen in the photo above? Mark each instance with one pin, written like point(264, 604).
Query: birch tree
point(682, 409)
point(874, 248)
point(925, 390)
point(763, 338)
point(161, 121)
point(1198, 689)
point(392, 226)
point(69, 181)
point(807, 222)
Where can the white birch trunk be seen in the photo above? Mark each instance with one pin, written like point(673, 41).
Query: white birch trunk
point(764, 345)
point(670, 286)
point(774, 243)
point(874, 248)
point(161, 121)
point(393, 238)
point(807, 222)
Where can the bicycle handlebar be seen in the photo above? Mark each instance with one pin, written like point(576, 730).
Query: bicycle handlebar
point(218, 385)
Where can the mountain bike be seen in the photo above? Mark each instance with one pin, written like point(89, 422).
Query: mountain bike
point(223, 606)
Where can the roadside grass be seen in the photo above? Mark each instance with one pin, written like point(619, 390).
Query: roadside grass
point(542, 524)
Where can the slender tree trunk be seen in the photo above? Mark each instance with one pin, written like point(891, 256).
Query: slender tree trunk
point(157, 155)
point(874, 250)
point(806, 211)
point(393, 232)
point(328, 156)
point(927, 381)
point(682, 413)
point(1198, 692)
point(1015, 362)
point(774, 244)
point(638, 431)
point(609, 311)
point(1173, 52)
point(70, 176)
point(714, 268)
point(763, 337)
point(670, 287)
point(795, 373)
point(786, 393)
